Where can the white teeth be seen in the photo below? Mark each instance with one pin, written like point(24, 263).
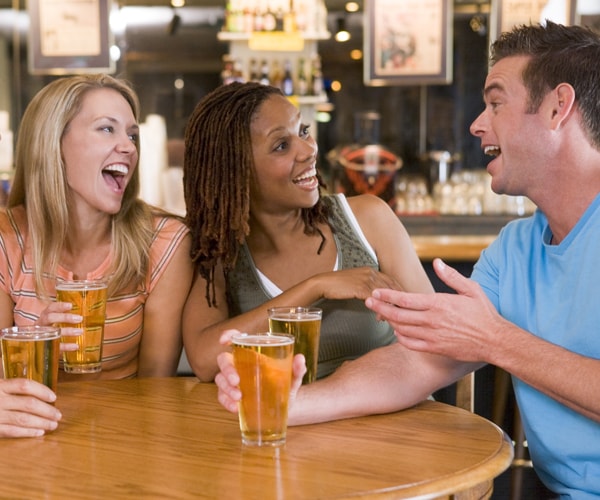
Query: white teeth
point(307, 175)
point(117, 169)
point(492, 150)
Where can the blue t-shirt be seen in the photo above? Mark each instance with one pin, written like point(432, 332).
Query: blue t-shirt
point(552, 291)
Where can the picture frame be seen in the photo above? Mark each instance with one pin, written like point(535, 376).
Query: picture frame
point(507, 14)
point(69, 37)
point(590, 20)
point(408, 42)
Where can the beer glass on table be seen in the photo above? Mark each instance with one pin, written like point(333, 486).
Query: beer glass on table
point(264, 364)
point(304, 323)
point(31, 352)
point(89, 300)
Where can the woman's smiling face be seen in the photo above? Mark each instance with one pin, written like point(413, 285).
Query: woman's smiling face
point(99, 149)
point(284, 158)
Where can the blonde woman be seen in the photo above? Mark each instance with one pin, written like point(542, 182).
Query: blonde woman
point(74, 213)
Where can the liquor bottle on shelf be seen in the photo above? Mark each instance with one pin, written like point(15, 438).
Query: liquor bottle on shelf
point(228, 24)
point(227, 72)
point(287, 84)
point(254, 75)
point(317, 76)
point(238, 73)
point(300, 13)
point(237, 17)
point(264, 73)
point(279, 16)
point(276, 75)
point(269, 23)
point(301, 80)
point(289, 20)
point(248, 19)
point(259, 18)
point(320, 16)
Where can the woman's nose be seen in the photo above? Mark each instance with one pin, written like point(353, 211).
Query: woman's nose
point(309, 149)
point(126, 144)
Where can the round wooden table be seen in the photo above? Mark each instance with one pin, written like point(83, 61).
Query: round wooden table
point(170, 439)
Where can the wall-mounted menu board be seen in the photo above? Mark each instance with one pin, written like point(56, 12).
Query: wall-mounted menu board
point(69, 36)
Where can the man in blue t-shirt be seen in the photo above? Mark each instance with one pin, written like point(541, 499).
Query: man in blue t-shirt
point(531, 305)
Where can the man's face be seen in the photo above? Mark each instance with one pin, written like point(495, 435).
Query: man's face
point(507, 131)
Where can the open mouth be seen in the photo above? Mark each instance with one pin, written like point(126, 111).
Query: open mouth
point(114, 175)
point(492, 150)
point(306, 178)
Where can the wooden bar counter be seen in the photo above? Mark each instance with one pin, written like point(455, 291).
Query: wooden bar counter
point(453, 238)
point(451, 248)
point(170, 439)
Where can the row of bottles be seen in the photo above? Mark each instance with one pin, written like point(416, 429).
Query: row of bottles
point(248, 16)
point(302, 77)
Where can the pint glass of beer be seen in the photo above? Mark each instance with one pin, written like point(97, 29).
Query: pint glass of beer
point(264, 364)
point(31, 352)
point(304, 323)
point(89, 300)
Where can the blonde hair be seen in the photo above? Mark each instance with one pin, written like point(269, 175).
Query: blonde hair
point(40, 184)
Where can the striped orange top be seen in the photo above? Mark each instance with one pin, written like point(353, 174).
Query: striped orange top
point(124, 310)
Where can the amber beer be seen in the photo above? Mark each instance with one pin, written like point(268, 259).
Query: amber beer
point(31, 352)
point(89, 300)
point(264, 364)
point(304, 323)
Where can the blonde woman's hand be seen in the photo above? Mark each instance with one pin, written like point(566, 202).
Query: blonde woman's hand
point(26, 408)
point(59, 313)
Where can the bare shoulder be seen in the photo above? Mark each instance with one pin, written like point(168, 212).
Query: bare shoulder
point(372, 211)
point(369, 205)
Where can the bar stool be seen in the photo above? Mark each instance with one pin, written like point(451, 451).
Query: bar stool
point(465, 392)
point(521, 461)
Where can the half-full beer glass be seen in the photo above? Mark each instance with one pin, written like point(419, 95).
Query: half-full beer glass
point(31, 352)
point(89, 300)
point(264, 364)
point(304, 323)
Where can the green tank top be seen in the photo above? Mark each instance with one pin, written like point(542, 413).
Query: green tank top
point(348, 328)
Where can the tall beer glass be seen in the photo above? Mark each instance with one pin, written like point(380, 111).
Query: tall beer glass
point(304, 323)
point(264, 364)
point(89, 300)
point(31, 352)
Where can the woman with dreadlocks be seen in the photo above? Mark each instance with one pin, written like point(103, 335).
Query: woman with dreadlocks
point(263, 236)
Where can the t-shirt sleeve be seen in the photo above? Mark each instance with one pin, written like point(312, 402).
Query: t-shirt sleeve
point(5, 235)
point(168, 235)
point(485, 272)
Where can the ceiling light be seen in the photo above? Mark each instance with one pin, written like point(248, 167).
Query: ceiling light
point(342, 34)
point(356, 54)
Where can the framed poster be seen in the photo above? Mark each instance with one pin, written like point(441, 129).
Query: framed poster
point(69, 36)
point(510, 13)
point(590, 20)
point(408, 42)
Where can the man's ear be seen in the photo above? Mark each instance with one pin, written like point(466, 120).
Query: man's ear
point(563, 101)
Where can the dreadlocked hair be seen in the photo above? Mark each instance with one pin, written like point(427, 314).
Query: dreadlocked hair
point(218, 166)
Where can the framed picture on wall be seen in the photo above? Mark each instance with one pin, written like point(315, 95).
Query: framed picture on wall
point(590, 20)
point(408, 42)
point(69, 36)
point(510, 13)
